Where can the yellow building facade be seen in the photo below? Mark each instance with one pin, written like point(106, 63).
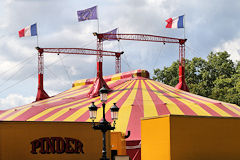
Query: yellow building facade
point(51, 141)
point(177, 137)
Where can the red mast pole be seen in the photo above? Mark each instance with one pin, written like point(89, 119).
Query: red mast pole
point(41, 94)
point(118, 63)
point(182, 83)
point(99, 58)
point(99, 82)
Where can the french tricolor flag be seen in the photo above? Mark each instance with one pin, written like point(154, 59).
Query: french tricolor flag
point(28, 31)
point(177, 22)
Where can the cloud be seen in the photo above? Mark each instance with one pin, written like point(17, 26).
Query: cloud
point(14, 100)
point(232, 47)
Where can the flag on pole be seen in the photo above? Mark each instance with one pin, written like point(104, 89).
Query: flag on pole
point(111, 37)
point(87, 14)
point(28, 31)
point(177, 22)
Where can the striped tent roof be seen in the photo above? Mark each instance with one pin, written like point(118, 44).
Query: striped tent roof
point(136, 95)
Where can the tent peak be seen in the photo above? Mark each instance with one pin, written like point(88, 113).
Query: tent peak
point(140, 73)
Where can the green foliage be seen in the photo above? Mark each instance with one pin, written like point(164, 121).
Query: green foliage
point(217, 77)
point(165, 75)
point(238, 67)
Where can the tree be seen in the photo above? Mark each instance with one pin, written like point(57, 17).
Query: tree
point(217, 77)
point(166, 75)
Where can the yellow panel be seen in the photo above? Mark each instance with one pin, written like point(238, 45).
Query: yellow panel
point(118, 143)
point(116, 77)
point(79, 83)
point(191, 138)
point(155, 135)
point(16, 138)
point(204, 138)
point(148, 105)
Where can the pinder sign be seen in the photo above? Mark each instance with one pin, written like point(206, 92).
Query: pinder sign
point(56, 145)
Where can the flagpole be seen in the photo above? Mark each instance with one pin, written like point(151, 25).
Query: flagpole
point(98, 25)
point(37, 34)
point(118, 40)
point(37, 41)
point(98, 21)
point(184, 25)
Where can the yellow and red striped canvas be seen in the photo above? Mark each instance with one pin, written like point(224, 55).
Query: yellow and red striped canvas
point(136, 95)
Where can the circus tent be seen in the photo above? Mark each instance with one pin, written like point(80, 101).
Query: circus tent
point(135, 94)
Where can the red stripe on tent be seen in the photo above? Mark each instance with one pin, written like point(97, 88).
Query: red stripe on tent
point(85, 116)
point(183, 107)
point(117, 83)
point(11, 113)
point(39, 108)
point(134, 124)
point(73, 92)
point(219, 105)
point(122, 99)
point(234, 107)
point(59, 109)
point(59, 99)
point(29, 114)
point(14, 111)
point(72, 111)
point(82, 117)
point(2, 111)
point(159, 104)
point(204, 106)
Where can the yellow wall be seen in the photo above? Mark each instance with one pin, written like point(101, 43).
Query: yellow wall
point(118, 143)
point(190, 138)
point(16, 137)
point(205, 138)
point(155, 139)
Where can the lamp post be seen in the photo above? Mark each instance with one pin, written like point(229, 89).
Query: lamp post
point(104, 125)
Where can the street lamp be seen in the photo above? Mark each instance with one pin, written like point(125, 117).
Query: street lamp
point(93, 112)
point(104, 125)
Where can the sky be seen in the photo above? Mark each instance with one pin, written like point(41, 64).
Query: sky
point(210, 26)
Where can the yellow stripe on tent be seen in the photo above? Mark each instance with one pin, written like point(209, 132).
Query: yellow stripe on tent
point(148, 105)
point(125, 110)
point(172, 107)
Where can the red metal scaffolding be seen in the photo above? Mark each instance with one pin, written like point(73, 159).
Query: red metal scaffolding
point(80, 51)
point(151, 38)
